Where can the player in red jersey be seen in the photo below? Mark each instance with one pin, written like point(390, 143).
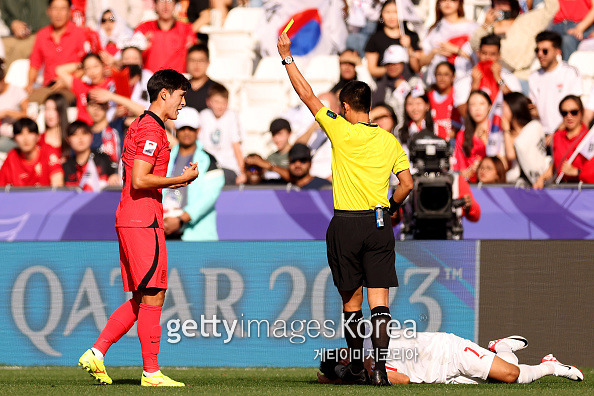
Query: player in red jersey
point(139, 225)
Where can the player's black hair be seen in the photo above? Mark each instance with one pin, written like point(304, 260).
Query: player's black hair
point(49, 2)
point(356, 94)
point(551, 36)
point(199, 48)
point(168, 79)
point(218, 89)
point(491, 39)
point(519, 106)
point(23, 123)
point(76, 125)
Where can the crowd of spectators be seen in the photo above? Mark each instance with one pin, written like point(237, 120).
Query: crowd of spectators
point(498, 89)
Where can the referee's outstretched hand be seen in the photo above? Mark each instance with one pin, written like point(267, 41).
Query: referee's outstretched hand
point(284, 45)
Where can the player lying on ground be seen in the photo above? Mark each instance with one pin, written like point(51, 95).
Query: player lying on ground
point(448, 359)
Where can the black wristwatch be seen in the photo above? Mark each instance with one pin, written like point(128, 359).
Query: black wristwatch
point(288, 60)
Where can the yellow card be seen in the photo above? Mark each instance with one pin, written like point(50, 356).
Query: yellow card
point(288, 26)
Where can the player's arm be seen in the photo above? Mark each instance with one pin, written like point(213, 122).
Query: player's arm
point(142, 178)
point(299, 83)
point(398, 378)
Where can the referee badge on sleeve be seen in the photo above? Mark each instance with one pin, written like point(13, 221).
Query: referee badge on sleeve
point(149, 148)
point(331, 114)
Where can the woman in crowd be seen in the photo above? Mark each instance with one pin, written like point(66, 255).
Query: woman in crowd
point(417, 115)
point(525, 152)
point(389, 33)
point(56, 123)
point(566, 166)
point(491, 170)
point(471, 141)
point(441, 99)
point(448, 40)
point(93, 74)
point(113, 32)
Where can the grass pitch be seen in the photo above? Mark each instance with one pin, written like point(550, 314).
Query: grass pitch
point(261, 381)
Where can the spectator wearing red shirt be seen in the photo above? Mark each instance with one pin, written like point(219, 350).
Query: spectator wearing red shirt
point(86, 168)
point(30, 164)
point(565, 142)
point(60, 42)
point(573, 22)
point(167, 39)
point(471, 141)
point(93, 70)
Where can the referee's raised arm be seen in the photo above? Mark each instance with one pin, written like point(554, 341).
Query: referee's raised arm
point(299, 82)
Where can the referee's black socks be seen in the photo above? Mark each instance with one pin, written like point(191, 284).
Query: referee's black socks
point(380, 316)
point(354, 339)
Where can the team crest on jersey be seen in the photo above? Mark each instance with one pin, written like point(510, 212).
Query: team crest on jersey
point(331, 114)
point(149, 148)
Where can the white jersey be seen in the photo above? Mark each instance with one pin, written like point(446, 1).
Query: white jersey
point(458, 34)
point(548, 88)
point(218, 135)
point(439, 358)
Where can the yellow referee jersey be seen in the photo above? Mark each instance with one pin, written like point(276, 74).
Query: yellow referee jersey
point(363, 156)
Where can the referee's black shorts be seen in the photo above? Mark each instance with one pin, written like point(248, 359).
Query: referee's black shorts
point(359, 253)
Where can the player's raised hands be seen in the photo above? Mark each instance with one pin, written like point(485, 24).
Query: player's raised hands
point(284, 45)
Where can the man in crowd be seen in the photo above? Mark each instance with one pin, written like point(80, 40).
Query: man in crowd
point(30, 164)
point(59, 43)
point(299, 167)
point(197, 62)
point(195, 218)
point(348, 59)
point(552, 82)
point(167, 39)
point(24, 18)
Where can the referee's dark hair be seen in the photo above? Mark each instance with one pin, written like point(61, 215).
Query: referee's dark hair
point(357, 94)
point(168, 79)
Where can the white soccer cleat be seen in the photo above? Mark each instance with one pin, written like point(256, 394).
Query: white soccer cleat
point(516, 343)
point(563, 370)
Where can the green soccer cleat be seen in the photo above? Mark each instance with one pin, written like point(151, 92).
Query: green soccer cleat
point(95, 367)
point(159, 380)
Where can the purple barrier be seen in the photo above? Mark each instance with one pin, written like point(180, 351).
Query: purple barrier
point(255, 215)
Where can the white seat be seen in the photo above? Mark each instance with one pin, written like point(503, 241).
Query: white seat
point(271, 68)
point(230, 68)
point(583, 61)
point(323, 67)
point(244, 19)
point(264, 93)
point(18, 73)
point(231, 43)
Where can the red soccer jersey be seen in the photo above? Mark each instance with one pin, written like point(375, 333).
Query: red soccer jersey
point(444, 114)
point(462, 162)
point(146, 140)
point(46, 52)
point(167, 48)
point(17, 171)
point(81, 90)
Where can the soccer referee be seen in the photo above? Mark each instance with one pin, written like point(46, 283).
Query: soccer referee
point(360, 248)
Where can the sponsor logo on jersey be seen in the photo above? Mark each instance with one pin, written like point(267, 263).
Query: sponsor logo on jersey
point(149, 148)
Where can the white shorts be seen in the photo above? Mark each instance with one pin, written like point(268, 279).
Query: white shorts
point(472, 362)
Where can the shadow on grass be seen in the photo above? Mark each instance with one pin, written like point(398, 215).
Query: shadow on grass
point(126, 382)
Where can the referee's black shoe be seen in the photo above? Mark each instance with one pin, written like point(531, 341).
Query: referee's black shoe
point(346, 374)
point(379, 378)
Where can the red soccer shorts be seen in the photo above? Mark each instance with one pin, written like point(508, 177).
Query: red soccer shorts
point(143, 258)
